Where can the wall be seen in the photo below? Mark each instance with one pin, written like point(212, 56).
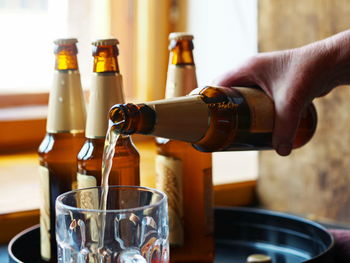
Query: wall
point(315, 180)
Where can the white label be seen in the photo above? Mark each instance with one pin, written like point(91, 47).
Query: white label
point(106, 90)
point(88, 199)
point(174, 114)
point(181, 80)
point(45, 213)
point(66, 110)
point(85, 181)
point(169, 180)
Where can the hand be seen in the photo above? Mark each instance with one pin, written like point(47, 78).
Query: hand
point(293, 78)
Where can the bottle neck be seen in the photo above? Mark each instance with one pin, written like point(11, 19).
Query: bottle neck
point(105, 59)
point(66, 109)
point(106, 91)
point(184, 118)
point(181, 76)
point(181, 52)
point(66, 57)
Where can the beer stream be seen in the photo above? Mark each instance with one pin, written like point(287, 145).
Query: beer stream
point(107, 162)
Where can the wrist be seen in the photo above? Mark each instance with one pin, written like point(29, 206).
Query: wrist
point(339, 58)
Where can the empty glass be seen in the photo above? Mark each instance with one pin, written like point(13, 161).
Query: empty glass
point(133, 228)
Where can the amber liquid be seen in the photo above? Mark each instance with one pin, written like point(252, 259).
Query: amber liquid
point(109, 158)
point(57, 153)
point(197, 203)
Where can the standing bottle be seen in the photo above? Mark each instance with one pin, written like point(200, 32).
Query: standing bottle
point(183, 173)
point(64, 138)
point(106, 90)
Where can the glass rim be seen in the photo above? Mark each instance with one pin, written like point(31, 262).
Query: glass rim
point(59, 203)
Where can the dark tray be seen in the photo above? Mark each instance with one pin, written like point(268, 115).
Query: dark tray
point(239, 232)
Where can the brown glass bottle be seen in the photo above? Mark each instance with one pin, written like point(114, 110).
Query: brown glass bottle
point(106, 90)
point(212, 119)
point(183, 173)
point(64, 137)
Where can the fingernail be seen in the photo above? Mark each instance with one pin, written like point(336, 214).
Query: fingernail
point(284, 149)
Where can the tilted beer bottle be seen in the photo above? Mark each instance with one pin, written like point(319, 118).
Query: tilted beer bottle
point(212, 119)
point(106, 90)
point(64, 138)
point(183, 173)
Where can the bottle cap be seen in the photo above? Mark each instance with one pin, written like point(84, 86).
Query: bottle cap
point(180, 36)
point(105, 42)
point(65, 41)
point(258, 258)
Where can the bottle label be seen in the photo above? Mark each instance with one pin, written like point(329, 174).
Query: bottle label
point(181, 80)
point(261, 108)
point(175, 113)
point(45, 213)
point(66, 111)
point(106, 90)
point(85, 181)
point(89, 199)
point(169, 180)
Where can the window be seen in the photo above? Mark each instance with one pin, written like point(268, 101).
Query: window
point(24, 32)
point(225, 34)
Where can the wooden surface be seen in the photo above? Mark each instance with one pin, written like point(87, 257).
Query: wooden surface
point(314, 180)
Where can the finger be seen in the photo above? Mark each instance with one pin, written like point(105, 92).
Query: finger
point(288, 113)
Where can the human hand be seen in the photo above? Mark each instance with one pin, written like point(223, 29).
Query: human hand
point(293, 78)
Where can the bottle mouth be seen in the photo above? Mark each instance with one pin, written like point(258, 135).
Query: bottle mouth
point(131, 118)
point(117, 117)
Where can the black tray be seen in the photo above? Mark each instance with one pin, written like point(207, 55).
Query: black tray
point(239, 232)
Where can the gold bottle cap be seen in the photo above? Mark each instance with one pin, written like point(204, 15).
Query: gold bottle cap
point(180, 36)
point(105, 42)
point(258, 258)
point(65, 41)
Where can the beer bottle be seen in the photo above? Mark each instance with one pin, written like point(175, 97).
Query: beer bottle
point(64, 137)
point(212, 119)
point(106, 90)
point(258, 258)
point(183, 173)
